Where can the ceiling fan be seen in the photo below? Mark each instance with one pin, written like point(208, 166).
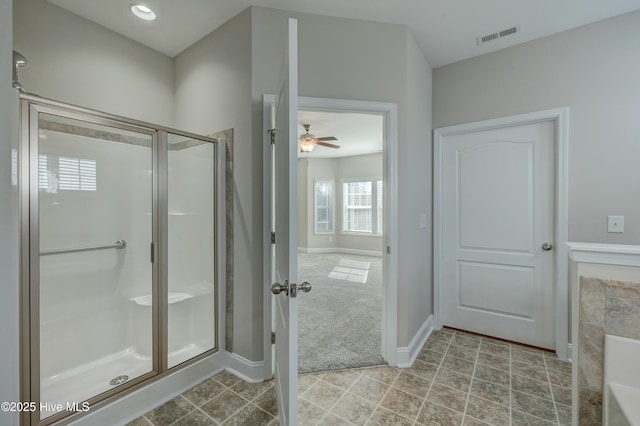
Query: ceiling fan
point(308, 141)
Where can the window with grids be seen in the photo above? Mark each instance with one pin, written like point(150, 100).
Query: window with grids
point(65, 173)
point(362, 206)
point(323, 206)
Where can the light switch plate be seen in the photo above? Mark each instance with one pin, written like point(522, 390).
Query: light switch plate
point(615, 224)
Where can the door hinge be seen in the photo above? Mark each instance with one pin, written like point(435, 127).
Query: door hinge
point(272, 133)
point(152, 254)
point(273, 238)
point(388, 249)
point(273, 337)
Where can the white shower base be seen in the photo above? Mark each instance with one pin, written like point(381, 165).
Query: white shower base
point(86, 381)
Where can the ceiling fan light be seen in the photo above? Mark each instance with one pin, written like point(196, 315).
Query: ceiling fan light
point(306, 146)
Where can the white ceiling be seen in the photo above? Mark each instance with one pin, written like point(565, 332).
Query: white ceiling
point(446, 30)
point(357, 134)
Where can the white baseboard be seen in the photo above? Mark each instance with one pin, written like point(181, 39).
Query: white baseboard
point(124, 410)
point(407, 354)
point(320, 250)
point(249, 371)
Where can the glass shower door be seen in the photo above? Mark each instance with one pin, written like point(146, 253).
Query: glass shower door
point(92, 219)
point(191, 268)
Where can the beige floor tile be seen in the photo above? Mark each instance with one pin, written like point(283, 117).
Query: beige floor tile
point(458, 378)
point(308, 413)
point(433, 357)
point(402, 403)
point(447, 397)
point(488, 412)
point(386, 375)
point(342, 379)
point(333, 420)
point(493, 375)
point(323, 394)
point(493, 361)
point(453, 379)
point(423, 369)
point(204, 392)
point(382, 416)
point(250, 415)
point(519, 418)
point(170, 411)
point(224, 406)
point(354, 409)
point(528, 370)
point(434, 414)
point(369, 389)
point(534, 406)
point(531, 386)
point(458, 364)
point(491, 392)
point(468, 354)
point(195, 418)
point(306, 381)
point(414, 385)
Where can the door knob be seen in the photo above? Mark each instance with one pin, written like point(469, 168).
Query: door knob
point(305, 286)
point(547, 247)
point(277, 288)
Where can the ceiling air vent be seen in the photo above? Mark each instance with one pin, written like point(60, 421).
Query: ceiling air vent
point(497, 35)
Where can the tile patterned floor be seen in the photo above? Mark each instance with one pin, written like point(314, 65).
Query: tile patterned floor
point(458, 379)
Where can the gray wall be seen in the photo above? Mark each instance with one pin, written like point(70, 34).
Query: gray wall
point(213, 92)
point(337, 169)
point(415, 195)
point(74, 60)
point(9, 225)
point(349, 59)
point(218, 83)
point(594, 70)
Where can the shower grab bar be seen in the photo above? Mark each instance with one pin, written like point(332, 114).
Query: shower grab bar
point(120, 244)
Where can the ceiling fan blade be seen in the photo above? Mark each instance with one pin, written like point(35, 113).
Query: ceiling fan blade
point(328, 145)
point(328, 138)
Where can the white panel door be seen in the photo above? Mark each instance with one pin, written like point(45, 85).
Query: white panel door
point(497, 215)
point(285, 214)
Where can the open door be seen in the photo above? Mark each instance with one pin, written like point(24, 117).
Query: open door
point(285, 224)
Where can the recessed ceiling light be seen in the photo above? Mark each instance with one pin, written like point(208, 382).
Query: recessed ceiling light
point(143, 12)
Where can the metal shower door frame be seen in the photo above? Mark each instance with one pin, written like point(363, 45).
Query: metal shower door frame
point(30, 108)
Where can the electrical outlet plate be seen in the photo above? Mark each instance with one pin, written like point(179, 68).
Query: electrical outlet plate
point(615, 224)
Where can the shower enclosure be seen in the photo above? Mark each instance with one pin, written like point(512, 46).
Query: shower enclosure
point(119, 254)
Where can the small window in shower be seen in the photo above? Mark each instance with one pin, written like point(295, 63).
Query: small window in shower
point(66, 174)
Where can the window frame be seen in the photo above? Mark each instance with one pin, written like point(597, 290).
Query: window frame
point(331, 207)
point(375, 217)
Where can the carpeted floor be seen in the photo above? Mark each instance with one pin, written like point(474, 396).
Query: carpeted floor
point(339, 321)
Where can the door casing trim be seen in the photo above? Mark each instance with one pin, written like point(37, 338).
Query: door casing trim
point(390, 175)
point(560, 116)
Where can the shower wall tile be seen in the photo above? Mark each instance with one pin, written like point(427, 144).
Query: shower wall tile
point(606, 307)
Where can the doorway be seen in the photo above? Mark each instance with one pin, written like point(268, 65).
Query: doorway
point(384, 256)
point(500, 225)
point(340, 237)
